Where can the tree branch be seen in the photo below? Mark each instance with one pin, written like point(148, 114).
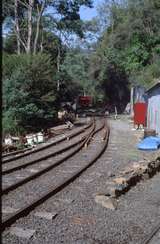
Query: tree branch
point(25, 4)
point(30, 9)
point(17, 25)
point(18, 36)
point(40, 12)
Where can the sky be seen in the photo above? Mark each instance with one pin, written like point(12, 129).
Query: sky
point(89, 13)
point(85, 13)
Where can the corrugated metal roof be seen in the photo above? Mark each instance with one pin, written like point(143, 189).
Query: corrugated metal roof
point(155, 84)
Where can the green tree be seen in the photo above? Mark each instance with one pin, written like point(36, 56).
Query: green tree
point(128, 50)
point(27, 19)
point(76, 66)
point(29, 91)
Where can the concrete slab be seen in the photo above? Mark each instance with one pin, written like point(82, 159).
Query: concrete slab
point(9, 210)
point(20, 176)
point(33, 170)
point(65, 200)
point(66, 172)
point(113, 149)
point(46, 215)
point(86, 180)
point(79, 188)
point(109, 158)
point(7, 180)
point(50, 160)
point(96, 174)
point(43, 165)
point(73, 166)
point(6, 184)
point(23, 233)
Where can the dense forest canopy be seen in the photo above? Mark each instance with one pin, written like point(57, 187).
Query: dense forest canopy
point(50, 55)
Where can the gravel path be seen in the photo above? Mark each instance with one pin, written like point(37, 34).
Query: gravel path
point(80, 220)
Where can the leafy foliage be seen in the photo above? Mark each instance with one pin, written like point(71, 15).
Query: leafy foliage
point(122, 48)
point(128, 51)
point(63, 17)
point(30, 95)
point(76, 66)
point(29, 90)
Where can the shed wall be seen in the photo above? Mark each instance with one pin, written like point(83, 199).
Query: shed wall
point(153, 113)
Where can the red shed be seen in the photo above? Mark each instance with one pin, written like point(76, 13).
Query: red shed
point(85, 100)
point(140, 110)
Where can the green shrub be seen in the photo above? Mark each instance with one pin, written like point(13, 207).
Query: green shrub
point(29, 92)
point(148, 74)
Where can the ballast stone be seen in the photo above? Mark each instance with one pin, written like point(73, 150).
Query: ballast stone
point(23, 233)
point(106, 202)
point(110, 174)
point(120, 180)
point(46, 215)
point(121, 184)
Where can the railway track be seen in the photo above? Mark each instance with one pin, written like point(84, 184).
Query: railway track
point(57, 162)
point(24, 153)
point(152, 234)
point(59, 181)
point(44, 154)
point(16, 152)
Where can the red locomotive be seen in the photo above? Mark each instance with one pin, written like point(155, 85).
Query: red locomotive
point(85, 101)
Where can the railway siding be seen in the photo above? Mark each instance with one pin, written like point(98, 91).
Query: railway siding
point(80, 219)
point(49, 144)
point(47, 181)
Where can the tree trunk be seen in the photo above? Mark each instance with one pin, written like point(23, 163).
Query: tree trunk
point(131, 102)
point(58, 67)
point(41, 44)
point(37, 35)
point(30, 9)
point(38, 25)
point(17, 26)
point(113, 4)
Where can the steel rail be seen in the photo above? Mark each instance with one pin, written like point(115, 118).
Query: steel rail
point(31, 162)
point(28, 208)
point(16, 152)
point(43, 171)
point(4, 155)
point(48, 145)
point(150, 236)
